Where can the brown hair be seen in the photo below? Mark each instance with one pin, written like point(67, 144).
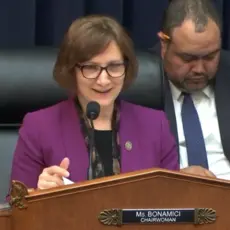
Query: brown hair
point(87, 37)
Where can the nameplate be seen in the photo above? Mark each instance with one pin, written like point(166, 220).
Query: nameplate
point(196, 216)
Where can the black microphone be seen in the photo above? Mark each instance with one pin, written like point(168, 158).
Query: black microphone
point(92, 113)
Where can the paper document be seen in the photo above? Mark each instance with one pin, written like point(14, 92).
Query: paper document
point(67, 181)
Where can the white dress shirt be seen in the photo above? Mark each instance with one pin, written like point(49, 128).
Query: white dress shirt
point(204, 102)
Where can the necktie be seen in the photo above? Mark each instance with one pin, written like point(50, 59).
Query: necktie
point(195, 144)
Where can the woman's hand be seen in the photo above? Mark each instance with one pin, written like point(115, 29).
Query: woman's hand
point(52, 176)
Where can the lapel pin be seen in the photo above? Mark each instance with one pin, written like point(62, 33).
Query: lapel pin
point(128, 145)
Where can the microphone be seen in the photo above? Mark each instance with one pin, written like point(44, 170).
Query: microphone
point(92, 110)
point(92, 113)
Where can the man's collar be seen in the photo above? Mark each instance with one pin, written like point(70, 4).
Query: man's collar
point(176, 93)
point(208, 91)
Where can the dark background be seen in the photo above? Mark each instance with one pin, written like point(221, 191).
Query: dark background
point(30, 23)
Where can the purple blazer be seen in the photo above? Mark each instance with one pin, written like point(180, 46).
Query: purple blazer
point(48, 135)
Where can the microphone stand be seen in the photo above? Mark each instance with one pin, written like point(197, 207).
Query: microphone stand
point(92, 112)
point(91, 143)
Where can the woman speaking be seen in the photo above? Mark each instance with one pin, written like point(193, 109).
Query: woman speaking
point(95, 63)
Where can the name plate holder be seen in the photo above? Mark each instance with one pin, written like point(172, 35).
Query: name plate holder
point(119, 217)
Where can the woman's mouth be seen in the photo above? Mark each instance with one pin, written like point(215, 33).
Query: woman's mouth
point(102, 91)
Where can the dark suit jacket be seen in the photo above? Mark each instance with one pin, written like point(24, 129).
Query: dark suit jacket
point(222, 95)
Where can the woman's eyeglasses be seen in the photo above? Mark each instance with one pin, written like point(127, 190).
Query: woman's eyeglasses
point(92, 71)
